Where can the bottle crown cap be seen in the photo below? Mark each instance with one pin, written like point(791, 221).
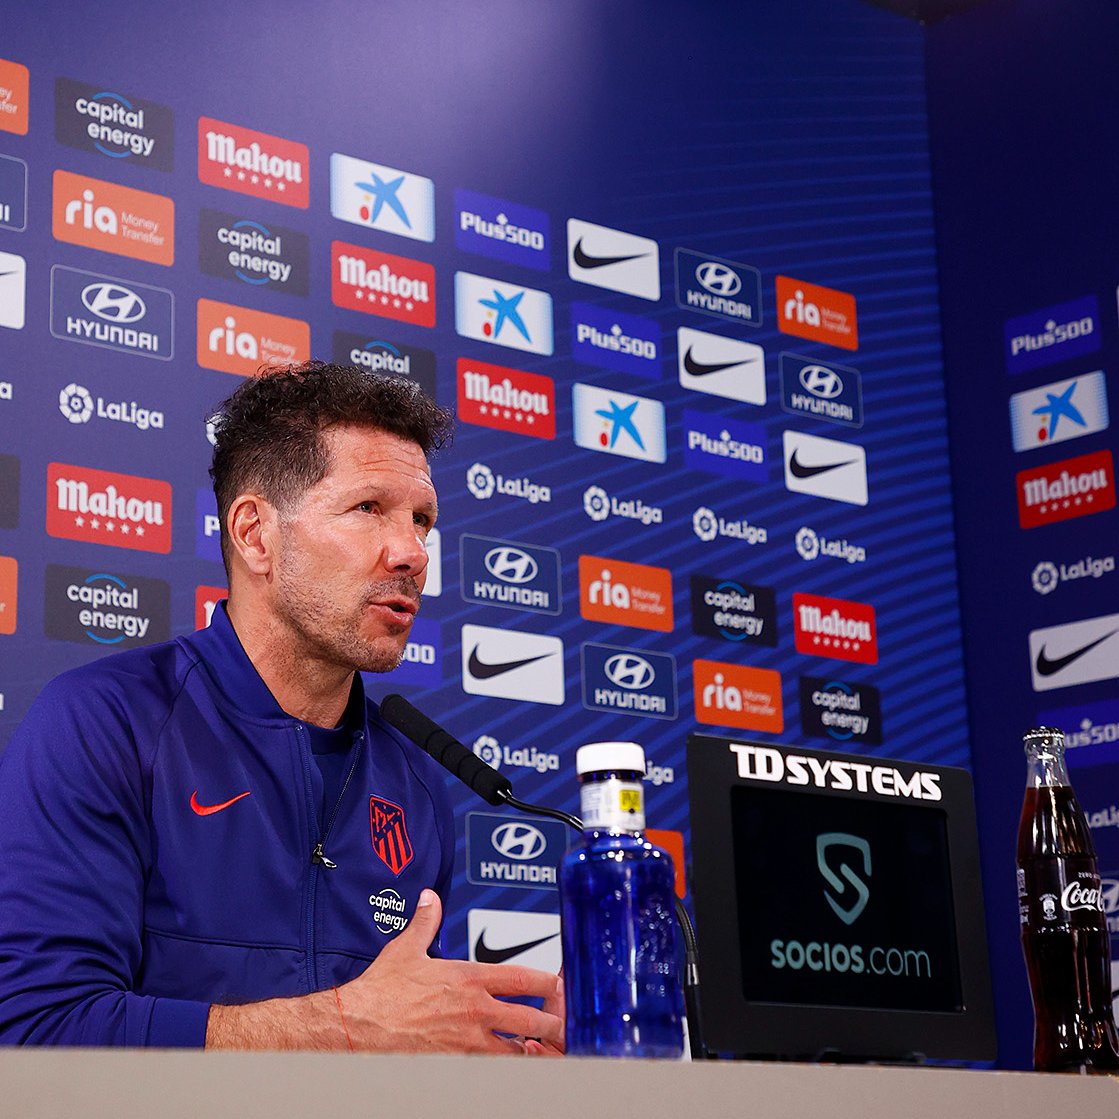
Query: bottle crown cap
point(1044, 738)
point(600, 757)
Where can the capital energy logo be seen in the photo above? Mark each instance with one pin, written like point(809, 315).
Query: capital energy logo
point(382, 284)
point(433, 586)
point(1089, 724)
point(718, 287)
point(388, 357)
point(254, 163)
point(78, 406)
point(13, 287)
point(252, 252)
point(382, 198)
point(720, 445)
point(101, 507)
point(503, 936)
point(598, 505)
point(206, 601)
point(15, 81)
point(510, 574)
point(616, 423)
point(239, 340)
point(510, 664)
point(524, 852)
point(825, 468)
point(846, 907)
point(9, 595)
point(1075, 653)
point(422, 662)
point(483, 483)
point(13, 193)
point(114, 124)
point(502, 313)
point(835, 627)
point(608, 258)
point(1047, 576)
point(1054, 333)
point(822, 391)
point(734, 611)
point(506, 399)
point(495, 755)
point(112, 313)
point(113, 218)
point(841, 711)
point(721, 366)
point(629, 681)
point(817, 313)
point(625, 594)
point(811, 545)
point(733, 695)
point(501, 229)
point(1060, 491)
point(106, 608)
point(709, 525)
point(1063, 410)
point(9, 491)
point(615, 340)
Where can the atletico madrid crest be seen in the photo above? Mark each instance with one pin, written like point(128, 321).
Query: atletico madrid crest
point(390, 836)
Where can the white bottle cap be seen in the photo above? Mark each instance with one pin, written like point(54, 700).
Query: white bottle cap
point(600, 757)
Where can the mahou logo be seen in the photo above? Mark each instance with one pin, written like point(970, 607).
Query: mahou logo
point(1072, 487)
point(817, 313)
point(506, 399)
point(382, 284)
point(206, 601)
point(835, 627)
point(238, 340)
point(100, 507)
point(732, 695)
point(255, 163)
point(627, 594)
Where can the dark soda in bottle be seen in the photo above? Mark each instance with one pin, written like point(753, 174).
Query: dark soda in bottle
point(1064, 931)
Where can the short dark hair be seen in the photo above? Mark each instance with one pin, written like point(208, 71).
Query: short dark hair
point(268, 433)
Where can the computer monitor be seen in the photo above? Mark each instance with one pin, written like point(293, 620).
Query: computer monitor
point(838, 903)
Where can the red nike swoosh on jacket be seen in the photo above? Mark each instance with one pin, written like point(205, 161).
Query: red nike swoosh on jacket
point(210, 809)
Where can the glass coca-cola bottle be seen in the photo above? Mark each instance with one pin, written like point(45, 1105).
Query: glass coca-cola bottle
point(1064, 931)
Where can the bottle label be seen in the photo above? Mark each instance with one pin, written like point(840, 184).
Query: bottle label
point(1055, 893)
point(613, 805)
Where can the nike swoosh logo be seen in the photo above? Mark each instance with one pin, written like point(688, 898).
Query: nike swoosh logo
point(483, 671)
point(210, 809)
point(585, 260)
point(700, 369)
point(486, 955)
point(1046, 667)
point(799, 470)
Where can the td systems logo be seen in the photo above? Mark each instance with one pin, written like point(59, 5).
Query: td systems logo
point(506, 399)
point(15, 81)
point(115, 610)
point(629, 681)
point(732, 695)
point(719, 366)
point(238, 340)
point(503, 314)
point(503, 230)
point(835, 627)
point(510, 574)
point(524, 852)
point(608, 258)
point(13, 289)
point(114, 124)
point(616, 423)
point(250, 252)
point(112, 313)
point(718, 287)
point(99, 507)
point(1052, 334)
point(720, 445)
point(1060, 491)
point(255, 163)
point(382, 198)
point(825, 468)
point(823, 392)
point(734, 611)
point(1075, 653)
point(391, 358)
point(509, 664)
point(817, 313)
point(1063, 410)
point(625, 594)
point(840, 711)
point(113, 218)
point(614, 340)
point(13, 193)
point(382, 284)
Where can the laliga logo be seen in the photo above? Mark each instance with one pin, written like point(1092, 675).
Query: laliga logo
point(488, 749)
point(828, 841)
point(808, 544)
point(1045, 577)
point(821, 381)
point(518, 841)
point(705, 524)
point(596, 503)
point(480, 481)
point(510, 565)
point(113, 303)
point(75, 403)
point(627, 670)
point(718, 278)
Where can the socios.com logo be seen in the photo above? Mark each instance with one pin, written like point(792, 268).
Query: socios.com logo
point(836, 841)
point(113, 302)
point(629, 671)
point(718, 278)
point(75, 403)
point(518, 841)
point(511, 565)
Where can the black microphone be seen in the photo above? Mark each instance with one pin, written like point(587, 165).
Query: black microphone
point(491, 786)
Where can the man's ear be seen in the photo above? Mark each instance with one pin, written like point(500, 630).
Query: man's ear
point(252, 521)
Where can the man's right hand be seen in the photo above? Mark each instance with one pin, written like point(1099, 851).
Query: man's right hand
point(405, 1001)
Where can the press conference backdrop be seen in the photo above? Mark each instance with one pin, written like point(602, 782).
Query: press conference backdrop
point(671, 265)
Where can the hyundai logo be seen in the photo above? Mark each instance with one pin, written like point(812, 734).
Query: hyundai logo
point(629, 671)
point(821, 381)
point(518, 841)
point(113, 302)
point(510, 565)
point(718, 278)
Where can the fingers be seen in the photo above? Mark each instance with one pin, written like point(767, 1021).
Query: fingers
point(422, 929)
point(511, 980)
point(527, 1021)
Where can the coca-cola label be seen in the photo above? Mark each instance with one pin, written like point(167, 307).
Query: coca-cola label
point(1060, 893)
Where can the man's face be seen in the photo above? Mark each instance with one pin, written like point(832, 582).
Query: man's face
point(351, 560)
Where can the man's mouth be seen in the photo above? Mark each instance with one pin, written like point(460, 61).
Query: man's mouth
point(405, 607)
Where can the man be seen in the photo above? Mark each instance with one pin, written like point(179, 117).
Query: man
point(216, 840)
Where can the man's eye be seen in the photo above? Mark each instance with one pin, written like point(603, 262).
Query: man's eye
point(366, 507)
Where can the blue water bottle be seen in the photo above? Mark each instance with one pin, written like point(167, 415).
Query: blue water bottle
point(621, 978)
